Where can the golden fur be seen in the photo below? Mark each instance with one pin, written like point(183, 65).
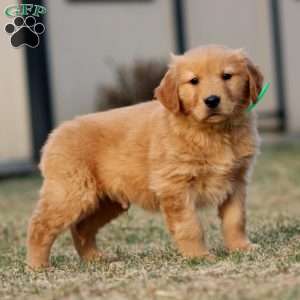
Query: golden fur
point(174, 154)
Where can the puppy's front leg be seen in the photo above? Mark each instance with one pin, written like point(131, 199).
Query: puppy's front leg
point(233, 215)
point(182, 222)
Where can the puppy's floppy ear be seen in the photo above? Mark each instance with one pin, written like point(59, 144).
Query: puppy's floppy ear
point(255, 80)
point(167, 91)
point(255, 76)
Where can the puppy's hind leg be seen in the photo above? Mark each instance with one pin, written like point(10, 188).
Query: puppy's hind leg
point(84, 232)
point(59, 207)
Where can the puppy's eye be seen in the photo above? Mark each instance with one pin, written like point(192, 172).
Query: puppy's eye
point(226, 76)
point(194, 81)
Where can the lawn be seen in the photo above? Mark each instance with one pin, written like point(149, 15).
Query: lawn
point(148, 266)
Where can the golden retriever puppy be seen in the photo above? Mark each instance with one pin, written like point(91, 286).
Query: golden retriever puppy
point(191, 147)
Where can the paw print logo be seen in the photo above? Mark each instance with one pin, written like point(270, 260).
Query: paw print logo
point(25, 32)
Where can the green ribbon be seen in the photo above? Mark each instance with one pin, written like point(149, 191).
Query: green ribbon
point(259, 97)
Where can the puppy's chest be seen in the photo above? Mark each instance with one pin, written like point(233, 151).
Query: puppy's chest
point(212, 176)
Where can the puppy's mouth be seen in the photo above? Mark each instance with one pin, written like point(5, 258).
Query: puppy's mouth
point(213, 113)
point(215, 116)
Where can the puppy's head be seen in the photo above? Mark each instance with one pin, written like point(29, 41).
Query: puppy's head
point(211, 84)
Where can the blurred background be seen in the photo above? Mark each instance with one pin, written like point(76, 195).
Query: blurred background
point(100, 54)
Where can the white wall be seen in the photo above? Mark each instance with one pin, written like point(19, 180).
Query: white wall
point(14, 114)
point(86, 37)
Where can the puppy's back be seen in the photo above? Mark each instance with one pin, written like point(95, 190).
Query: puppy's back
point(99, 135)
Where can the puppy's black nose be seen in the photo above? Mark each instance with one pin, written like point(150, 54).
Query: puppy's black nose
point(212, 101)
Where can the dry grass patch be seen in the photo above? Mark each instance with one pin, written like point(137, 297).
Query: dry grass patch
point(148, 266)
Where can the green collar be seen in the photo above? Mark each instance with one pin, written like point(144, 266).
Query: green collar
point(259, 97)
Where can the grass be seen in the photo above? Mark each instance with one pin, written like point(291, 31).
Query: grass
point(148, 266)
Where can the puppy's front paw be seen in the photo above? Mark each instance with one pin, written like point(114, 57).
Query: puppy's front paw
point(243, 246)
point(209, 257)
point(92, 255)
point(37, 267)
